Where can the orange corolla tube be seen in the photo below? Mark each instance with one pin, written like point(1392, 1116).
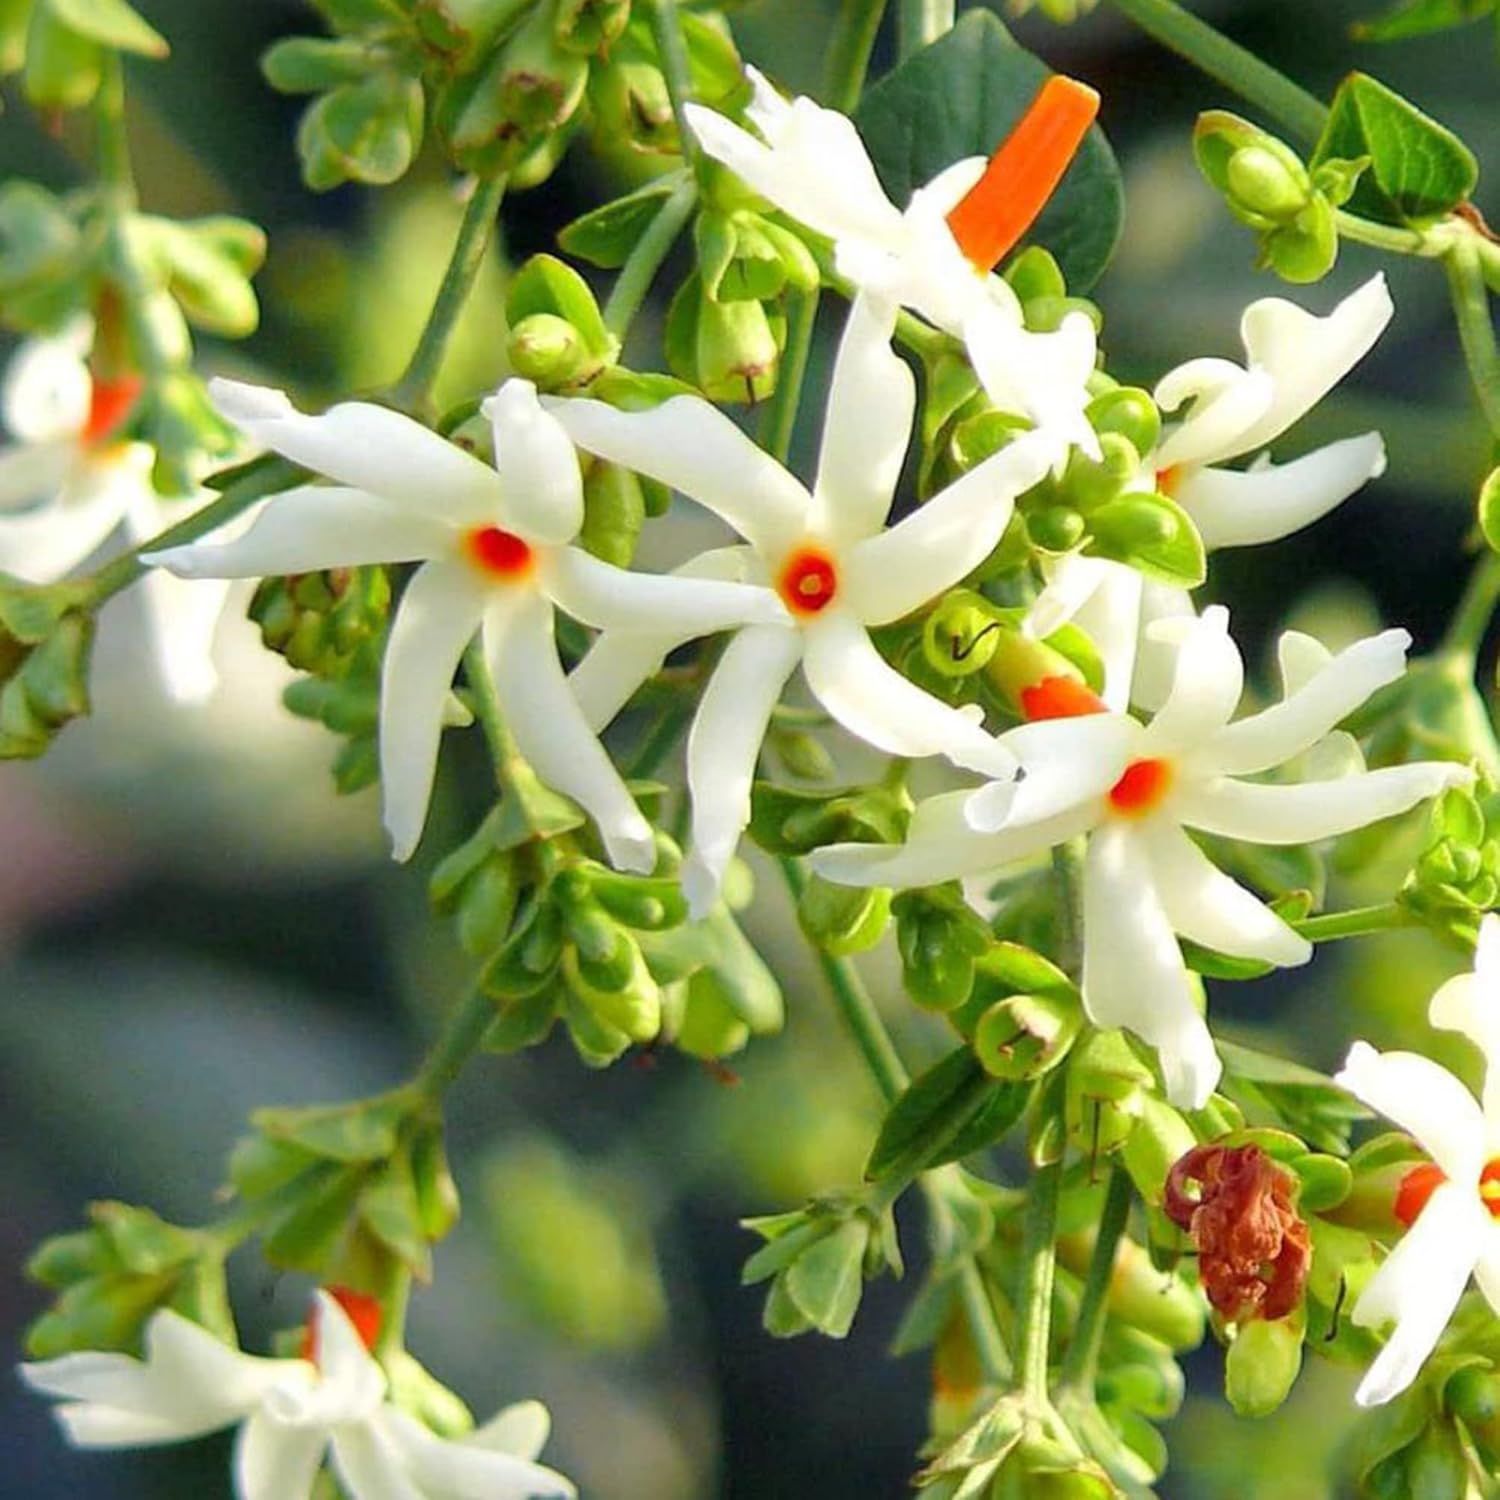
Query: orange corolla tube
point(1024, 172)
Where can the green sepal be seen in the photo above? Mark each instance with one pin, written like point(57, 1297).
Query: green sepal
point(796, 820)
point(313, 64)
point(843, 919)
point(63, 67)
point(545, 284)
point(391, 1211)
point(305, 1236)
point(605, 236)
point(938, 936)
point(362, 132)
point(365, 1130)
point(1154, 535)
point(826, 1282)
point(111, 23)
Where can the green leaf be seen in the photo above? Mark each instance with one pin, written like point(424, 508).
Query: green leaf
point(826, 1281)
point(1419, 169)
point(112, 23)
point(961, 97)
point(364, 1131)
point(605, 236)
point(1421, 18)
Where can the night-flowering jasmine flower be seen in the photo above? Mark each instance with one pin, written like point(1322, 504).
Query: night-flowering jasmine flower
point(1451, 1205)
point(1293, 358)
point(937, 256)
point(70, 481)
point(292, 1415)
point(823, 562)
point(1133, 789)
point(494, 544)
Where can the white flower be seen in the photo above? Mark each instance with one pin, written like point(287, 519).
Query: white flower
point(493, 544)
point(70, 482)
point(1292, 360)
point(823, 563)
point(933, 258)
point(1134, 789)
point(292, 1414)
point(1451, 1207)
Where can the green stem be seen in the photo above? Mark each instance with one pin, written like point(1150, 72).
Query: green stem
point(781, 412)
point(659, 742)
point(112, 138)
point(413, 392)
point(666, 29)
point(1356, 922)
point(922, 22)
point(1476, 328)
point(854, 36)
point(957, 1111)
point(504, 751)
point(456, 1043)
point(1391, 238)
point(645, 260)
point(1067, 870)
point(1034, 1293)
point(1214, 54)
point(1472, 614)
point(989, 1344)
point(264, 476)
point(1081, 1362)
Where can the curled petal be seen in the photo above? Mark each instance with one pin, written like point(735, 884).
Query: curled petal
point(1133, 973)
point(1204, 904)
point(314, 527)
point(369, 1466)
point(1164, 611)
point(722, 748)
point(274, 1461)
point(1227, 402)
point(541, 489)
point(551, 730)
point(1304, 716)
point(1266, 814)
point(521, 1430)
point(1268, 501)
point(468, 1469)
point(1425, 1099)
point(437, 617)
point(877, 704)
point(693, 447)
point(872, 396)
point(1064, 763)
point(1418, 1286)
point(1206, 685)
point(369, 448)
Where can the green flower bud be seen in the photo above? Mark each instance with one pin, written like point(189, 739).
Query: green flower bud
point(1055, 528)
point(1131, 413)
point(1473, 1396)
point(1025, 1036)
point(540, 82)
point(982, 436)
point(729, 349)
point(44, 666)
point(311, 65)
point(758, 269)
point(960, 635)
point(791, 820)
point(843, 919)
point(15, 18)
point(1436, 1466)
point(320, 621)
point(529, 959)
point(1019, 663)
point(616, 985)
point(551, 352)
point(1262, 182)
point(709, 1028)
point(588, 26)
point(63, 67)
point(1035, 274)
point(362, 132)
point(631, 103)
point(1160, 1139)
point(1262, 1364)
point(939, 938)
point(1106, 1085)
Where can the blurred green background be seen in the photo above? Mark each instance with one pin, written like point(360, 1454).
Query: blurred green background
point(193, 925)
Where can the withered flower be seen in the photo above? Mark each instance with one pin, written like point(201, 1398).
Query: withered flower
point(1253, 1249)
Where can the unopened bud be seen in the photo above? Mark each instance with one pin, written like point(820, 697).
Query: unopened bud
point(843, 919)
point(1264, 183)
point(960, 635)
point(1130, 412)
point(1024, 1036)
point(551, 352)
point(588, 26)
point(1020, 664)
point(1473, 1395)
point(1262, 1364)
point(1055, 528)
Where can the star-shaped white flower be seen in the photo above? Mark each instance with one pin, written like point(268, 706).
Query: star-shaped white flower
point(292, 1414)
point(1451, 1206)
point(824, 564)
point(935, 257)
point(495, 555)
point(1293, 358)
point(70, 482)
point(1133, 789)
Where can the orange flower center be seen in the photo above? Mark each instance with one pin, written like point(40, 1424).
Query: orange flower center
point(109, 404)
point(1060, 697)
point(808, 582)
point(1142, 787)
point(1024, 172)
point(500, 553)
point(1422, 1182)
point(1168, 479)
point(362, 1310)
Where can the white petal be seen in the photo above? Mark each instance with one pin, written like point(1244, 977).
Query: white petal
point(1206, 687)
point(877, 704)
point(521, 1429)
point(1227, 402)
point(342, 1356)
point(47, 391)
point(369, 1465)
point(943, 845)
point(553, 735)
point(46, 544)
point(722, 748)
point(1265, 814)
point(1164, 611)
point(369, 448)
point(1113, 617)
point(620, 661)
point(1133, 973)
point(436, 618)
point(276, 1462)
point(184, 615)
point(317, 526)
point(465, 1470)
point(1305, 355)
point(1064, 762)
point(34, 473)
point(541, 489)
point(1300, 720)
point(1234, 509)
point(1424, 1099)
point(890, 574)
point(611, 598)
point(872, 397)
point(1470, 1003)
point(1419, 1285)
point(1204, 904)
point(695, 448)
